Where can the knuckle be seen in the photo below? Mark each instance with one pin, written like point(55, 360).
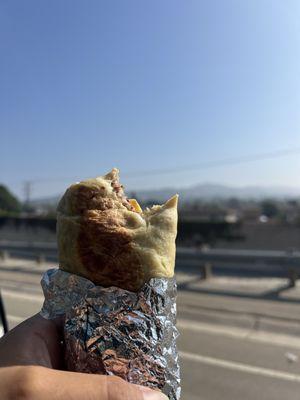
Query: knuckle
point(115, 380)
point(26, 382)
point(119, 389)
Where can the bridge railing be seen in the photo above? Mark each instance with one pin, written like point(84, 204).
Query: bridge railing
point(288, 261)
point(205, 260)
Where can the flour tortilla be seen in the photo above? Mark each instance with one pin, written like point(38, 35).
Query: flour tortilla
point(108, 239)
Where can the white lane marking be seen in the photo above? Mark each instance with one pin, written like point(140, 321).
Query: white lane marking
point(275, 339)
point(240, 367)
point(217, 362)
point(263, 337)
point(23, 296)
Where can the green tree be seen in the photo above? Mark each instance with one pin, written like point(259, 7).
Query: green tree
point(269, 208)
point(8, 202)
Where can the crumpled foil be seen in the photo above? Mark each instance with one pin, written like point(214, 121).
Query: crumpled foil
point(113, 331)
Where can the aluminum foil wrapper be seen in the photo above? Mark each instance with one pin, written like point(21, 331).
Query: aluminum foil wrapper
point(113, 331)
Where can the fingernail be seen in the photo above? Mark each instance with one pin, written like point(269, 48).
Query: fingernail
point(149, 394)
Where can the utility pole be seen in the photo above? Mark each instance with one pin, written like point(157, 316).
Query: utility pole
point(27, 192)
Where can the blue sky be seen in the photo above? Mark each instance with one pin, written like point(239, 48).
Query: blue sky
point(145, 85)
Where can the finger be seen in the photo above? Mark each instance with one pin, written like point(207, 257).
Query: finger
point(62, 385)
point(36, 341)
point(118, 389)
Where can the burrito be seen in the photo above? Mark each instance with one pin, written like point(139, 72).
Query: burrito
point(110, 240)
point(115, 285)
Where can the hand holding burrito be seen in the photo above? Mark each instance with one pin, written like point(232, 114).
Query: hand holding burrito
point(115, 285)
point(30, 359)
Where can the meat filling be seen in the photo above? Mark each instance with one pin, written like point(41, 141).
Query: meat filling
point(119, 190)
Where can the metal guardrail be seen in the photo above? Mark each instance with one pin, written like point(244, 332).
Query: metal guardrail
point(288, 260)
point(39, 251)
point(9, 244)
point(242, 255)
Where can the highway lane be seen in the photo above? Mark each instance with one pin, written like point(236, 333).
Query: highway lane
point(202, 381)
point(222, 356)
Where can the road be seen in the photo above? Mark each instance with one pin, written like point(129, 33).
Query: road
point(240, 338)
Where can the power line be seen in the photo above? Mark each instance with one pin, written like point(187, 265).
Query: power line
point(216, 163)
point(183, 168)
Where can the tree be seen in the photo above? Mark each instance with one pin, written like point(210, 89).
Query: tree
point(8, 202)
point(269, 208)
point(234, 203)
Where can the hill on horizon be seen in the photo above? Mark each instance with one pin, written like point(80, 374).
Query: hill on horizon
point(204, 191)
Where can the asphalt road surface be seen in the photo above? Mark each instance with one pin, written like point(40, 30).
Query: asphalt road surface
point(240, 337)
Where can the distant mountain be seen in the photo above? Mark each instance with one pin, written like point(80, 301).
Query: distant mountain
point(205, 191)
point(208, 191)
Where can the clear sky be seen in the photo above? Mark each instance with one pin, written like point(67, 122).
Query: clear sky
point(142, 85)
